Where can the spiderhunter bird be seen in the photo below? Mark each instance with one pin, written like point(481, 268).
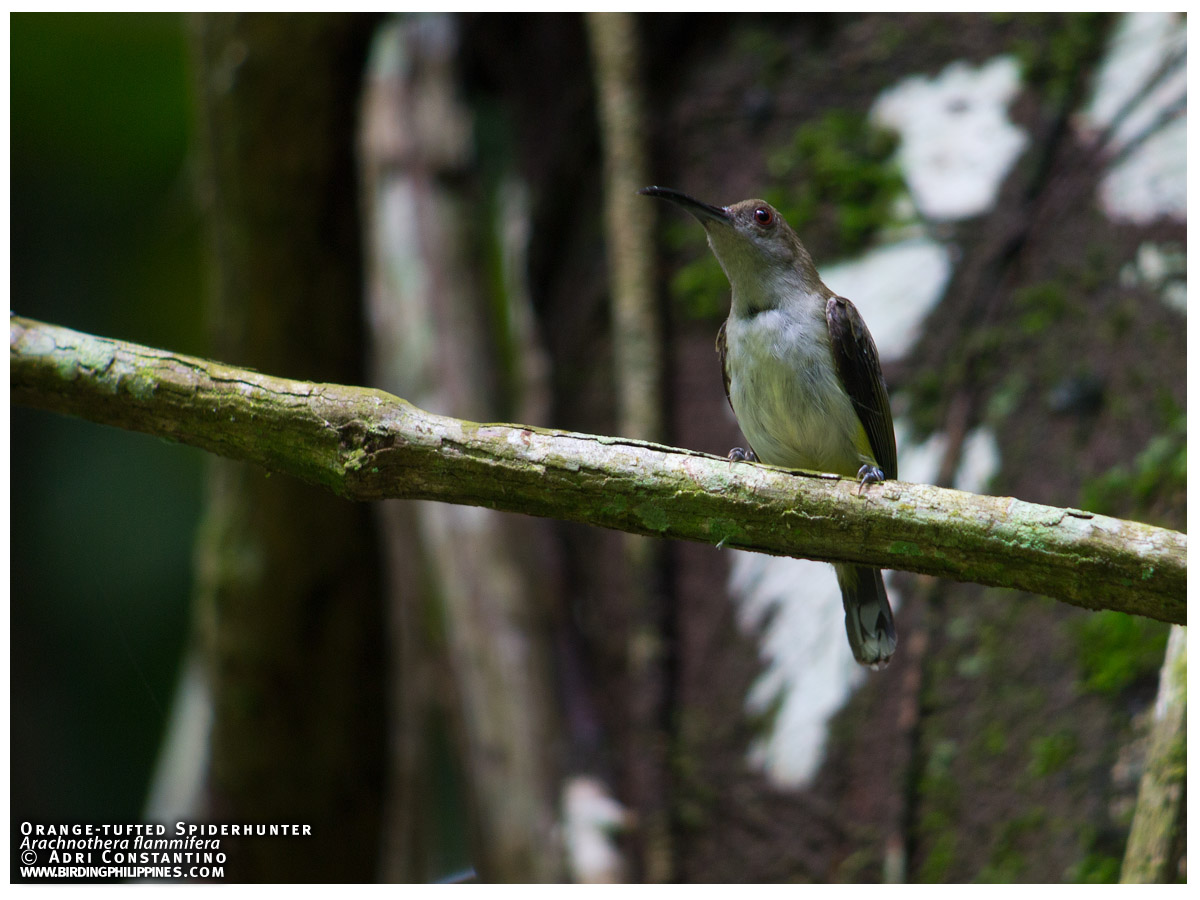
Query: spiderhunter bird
point(803, 378)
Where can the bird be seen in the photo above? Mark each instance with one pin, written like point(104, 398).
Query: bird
point(802, 375)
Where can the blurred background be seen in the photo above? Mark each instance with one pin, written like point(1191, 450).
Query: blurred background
point(436, 205)
point(106, 239)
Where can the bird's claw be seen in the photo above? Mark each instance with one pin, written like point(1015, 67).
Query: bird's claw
point(740, 454)
point(869, 474)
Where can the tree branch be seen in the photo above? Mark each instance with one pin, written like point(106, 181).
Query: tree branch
point(365, 444)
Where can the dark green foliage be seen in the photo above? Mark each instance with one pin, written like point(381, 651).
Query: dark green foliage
point(1096, 868)
point(1009, 857)
point(838, 167)
point(770, 54)
point(1051, 753)
point(1117, 650)
point(1101, 863)
point(940, 790)
point(700, 289)
point(1041, 305)
point(1053, 63)
point(941, 853)
point(1158, 475)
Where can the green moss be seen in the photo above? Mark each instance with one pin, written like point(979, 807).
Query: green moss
point(859, 866)
point(1040, 306)
point(653, 516)
point(1116, 650)
point(1120, 318)
point(926, 394)
point(971, 666)
point(353, 461)
point(937, 779)
point(937, 863)
point(144, 383)
point(761, 723)
point(1178, 673)
point(695, 795)
point(1051, 753)
point(1102, 855)
point(839, 168)
point(1158, 472)
point(1173, 764)
point(770, 55)
point(700, 289)
point(1098, 269)
point(889, 38)
point(994, 739)
point(723, 529)
point(1063, 48)
point(1096, 868)
point(494, 205)
point(1008, 862)
point(1006, 398)
point(616, 506)
point(939, 789)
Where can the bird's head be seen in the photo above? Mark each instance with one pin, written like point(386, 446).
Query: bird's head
point(763, 258)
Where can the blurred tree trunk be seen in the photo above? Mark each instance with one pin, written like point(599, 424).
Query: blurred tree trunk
point(288, 606)
point(438, 337)
point(1156, 836)
point(637, 379)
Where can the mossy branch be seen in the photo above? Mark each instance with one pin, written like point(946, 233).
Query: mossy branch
point(365, 444)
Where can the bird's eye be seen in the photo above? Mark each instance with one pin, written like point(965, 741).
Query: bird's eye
point(764, 215)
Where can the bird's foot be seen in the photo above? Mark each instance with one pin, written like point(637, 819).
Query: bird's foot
point(869, 474)
point(740, 454)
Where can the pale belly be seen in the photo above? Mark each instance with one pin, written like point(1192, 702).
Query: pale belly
point(786, 397)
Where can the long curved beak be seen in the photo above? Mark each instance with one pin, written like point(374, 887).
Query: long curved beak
point(701, 211)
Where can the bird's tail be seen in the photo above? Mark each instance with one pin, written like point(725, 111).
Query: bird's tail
point(869, 622)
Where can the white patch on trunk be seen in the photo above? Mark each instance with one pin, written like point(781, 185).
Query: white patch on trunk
point(956, 141)
point(591, 820)
point(1150, 181)
point(1161, 268)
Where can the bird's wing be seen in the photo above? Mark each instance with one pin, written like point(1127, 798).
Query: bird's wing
point(724, 365)
point(857, 363)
